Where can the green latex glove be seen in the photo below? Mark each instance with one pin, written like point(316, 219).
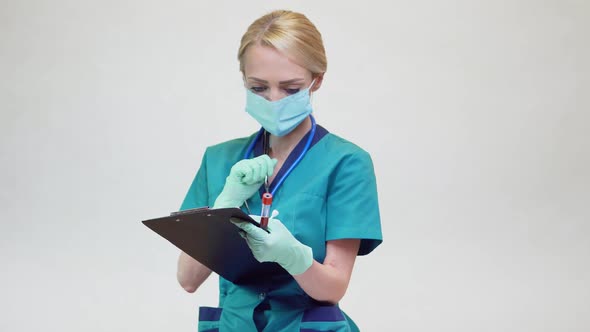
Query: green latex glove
point(277, 245)
point(244, 179)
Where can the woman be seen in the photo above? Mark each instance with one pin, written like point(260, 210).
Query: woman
point(323, 186)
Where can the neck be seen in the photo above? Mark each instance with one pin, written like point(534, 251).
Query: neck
point(281, 147)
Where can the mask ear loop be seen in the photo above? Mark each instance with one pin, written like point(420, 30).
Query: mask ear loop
point(310, 92)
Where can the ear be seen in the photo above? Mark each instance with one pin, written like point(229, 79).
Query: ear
point(318, 82)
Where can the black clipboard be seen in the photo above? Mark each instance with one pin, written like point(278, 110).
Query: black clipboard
point(208, 236)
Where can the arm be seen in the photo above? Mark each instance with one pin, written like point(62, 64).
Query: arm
point(191, 274)
point(329, 281)
point(352, 212)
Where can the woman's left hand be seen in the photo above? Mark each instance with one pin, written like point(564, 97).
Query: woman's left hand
point(277, 245)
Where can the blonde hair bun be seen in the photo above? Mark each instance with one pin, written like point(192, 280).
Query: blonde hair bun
point(290, 33)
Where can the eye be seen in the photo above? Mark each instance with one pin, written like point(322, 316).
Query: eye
point(258, 89)
point(292, 91)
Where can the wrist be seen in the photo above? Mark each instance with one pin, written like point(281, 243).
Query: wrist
point(302, 260)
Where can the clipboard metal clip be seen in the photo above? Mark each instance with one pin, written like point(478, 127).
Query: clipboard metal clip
point(177, 213)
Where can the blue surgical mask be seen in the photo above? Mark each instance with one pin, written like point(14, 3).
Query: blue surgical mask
point(279, 117)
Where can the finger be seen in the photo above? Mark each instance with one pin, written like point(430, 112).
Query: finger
point(257, 251)
point(263, 157)
point(262, 162)
point(237, 220)
point(237, 170)
point(241, 224)
point(248, 177)
point(255, 234)
point(259, 171)
point(255, 218)
point(265, 167)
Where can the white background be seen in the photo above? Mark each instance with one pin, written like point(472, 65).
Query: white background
point(476, 113)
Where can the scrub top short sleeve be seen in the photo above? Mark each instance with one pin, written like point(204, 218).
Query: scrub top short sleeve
point(352, 206)
point(197, 195)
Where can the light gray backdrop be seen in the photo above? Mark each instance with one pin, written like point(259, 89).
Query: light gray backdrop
point(476, 114)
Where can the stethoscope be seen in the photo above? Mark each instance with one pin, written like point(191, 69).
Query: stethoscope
point(265, 143)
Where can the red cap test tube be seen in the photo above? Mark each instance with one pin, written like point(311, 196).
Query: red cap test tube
point(265, 213)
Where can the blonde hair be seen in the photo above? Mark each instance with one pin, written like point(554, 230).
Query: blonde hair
point(290, 33)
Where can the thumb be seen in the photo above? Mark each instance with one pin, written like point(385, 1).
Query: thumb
point(253, 231)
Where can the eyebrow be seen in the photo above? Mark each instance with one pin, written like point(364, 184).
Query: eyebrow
point(281, 82)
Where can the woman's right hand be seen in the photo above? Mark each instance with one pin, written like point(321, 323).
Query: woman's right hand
point(244, 179)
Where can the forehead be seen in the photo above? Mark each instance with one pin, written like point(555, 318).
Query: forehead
point(269, 64)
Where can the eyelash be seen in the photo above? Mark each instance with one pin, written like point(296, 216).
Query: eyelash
point(259, 89)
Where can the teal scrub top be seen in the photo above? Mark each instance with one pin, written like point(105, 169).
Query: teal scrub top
point(331, 194)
